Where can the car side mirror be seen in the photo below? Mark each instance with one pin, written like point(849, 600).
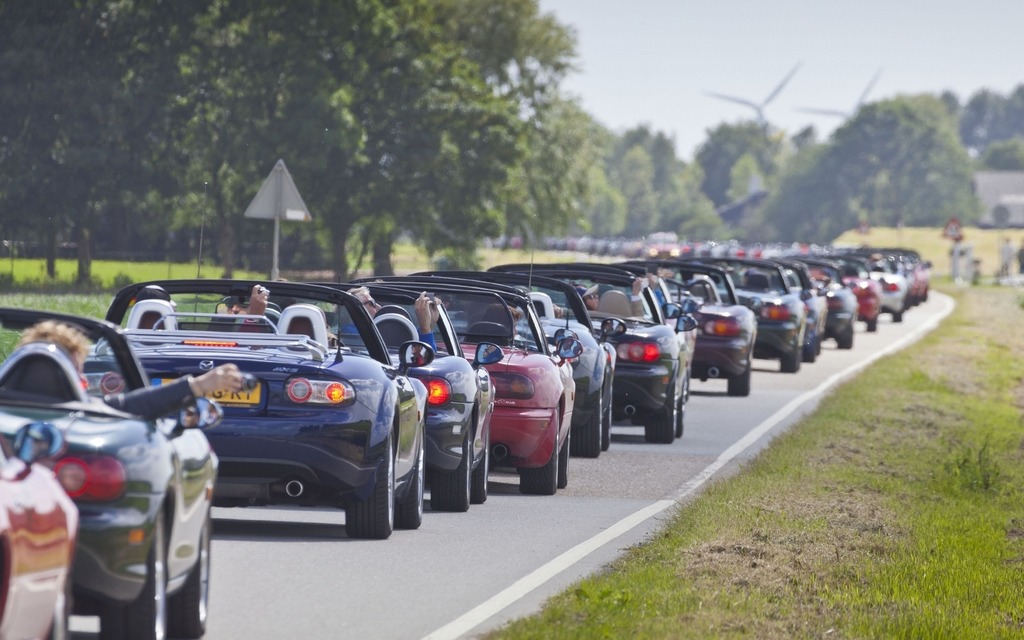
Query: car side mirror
point(564, 333)
point(487, 353)
point(671, 310)
point(415, 354)
point(38, 441)
point(568, 348)
point(686, 323)
point(611, 327)
point(203, 413)
point(690, 305)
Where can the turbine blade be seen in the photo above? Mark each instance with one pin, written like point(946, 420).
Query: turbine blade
point(867, 90)
point(824, 112)
point(782, 84)
point(720, 96)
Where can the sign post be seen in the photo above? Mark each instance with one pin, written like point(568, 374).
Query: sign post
point(954, 231)
point(278, 199)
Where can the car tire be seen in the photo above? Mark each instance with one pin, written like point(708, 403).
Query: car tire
point(660, 425)
point(845, 341)
point(543, 480)
point(146, 617)
point(606, 419)
point(563, 461)
point(897, 316)
point(374, 518)
point(478, 489)
point(187, 609)
point(451, 490)
point(681, 408)
point(790, 362)
point(409, 510)
point(586, 439)
point(739, 386)
point(872, 325)
point(810, 351)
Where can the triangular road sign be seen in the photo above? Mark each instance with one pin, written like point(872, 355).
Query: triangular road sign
point(278, 198)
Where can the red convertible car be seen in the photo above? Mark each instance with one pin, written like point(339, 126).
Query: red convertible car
point(38, 525)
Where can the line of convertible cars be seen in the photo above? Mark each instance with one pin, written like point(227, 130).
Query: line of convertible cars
point(353, 406)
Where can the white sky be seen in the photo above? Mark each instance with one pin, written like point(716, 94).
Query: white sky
point(653, 61)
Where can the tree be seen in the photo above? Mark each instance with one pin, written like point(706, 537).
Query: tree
point(1006, 155)
point(725, 145)
point(635, 180)
point(897, 162)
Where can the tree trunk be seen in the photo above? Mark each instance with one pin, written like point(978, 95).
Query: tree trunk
point(84, 255)
point(51, 254)
point(339, 256)
point(382, 265)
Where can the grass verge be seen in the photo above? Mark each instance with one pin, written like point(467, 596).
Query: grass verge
point(895, 511)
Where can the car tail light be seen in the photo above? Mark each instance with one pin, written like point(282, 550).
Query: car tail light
point(638, 351)
point(512, 385)
point(102, 384)
point(891, 287)
point(210, 343)
point(304, 390)
point(91, 478)
point(772, 311)
point(439, 391)
point(726, 327)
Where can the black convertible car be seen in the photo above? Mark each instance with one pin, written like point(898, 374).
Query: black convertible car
point(143, 488)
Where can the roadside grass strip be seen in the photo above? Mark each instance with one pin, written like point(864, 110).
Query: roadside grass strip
point(896, 510)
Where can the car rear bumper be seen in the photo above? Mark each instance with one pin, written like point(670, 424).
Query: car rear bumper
point(640, 388)
point(777, 340)
point(717, 357)
point(445, 434)
point(529, 434)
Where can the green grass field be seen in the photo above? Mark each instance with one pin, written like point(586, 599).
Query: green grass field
point(894, 511)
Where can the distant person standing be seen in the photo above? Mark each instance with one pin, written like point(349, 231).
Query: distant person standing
point(1005, 258)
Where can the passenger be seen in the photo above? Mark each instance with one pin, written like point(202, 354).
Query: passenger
point(254, 305)
point(149, 402)
point(427, 313)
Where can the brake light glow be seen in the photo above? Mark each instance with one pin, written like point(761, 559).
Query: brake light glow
point(91, 478)
point(512, 385)
point(210, 343)
point(335, 392)
point(638, 351)
point(772, 311)
point(725, 327)
point(891, 287)
point(439, 392)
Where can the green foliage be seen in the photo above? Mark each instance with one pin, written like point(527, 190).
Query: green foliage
point(974, 469)
point(1005, 155)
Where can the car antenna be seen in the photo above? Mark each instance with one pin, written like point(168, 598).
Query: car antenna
point(337, 352)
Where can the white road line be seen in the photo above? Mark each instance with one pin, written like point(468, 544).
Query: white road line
point(533, 580)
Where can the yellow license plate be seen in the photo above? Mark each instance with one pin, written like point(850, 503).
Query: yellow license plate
point(231, 398)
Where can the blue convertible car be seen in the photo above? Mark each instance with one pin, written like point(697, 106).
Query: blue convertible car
point(332, 420)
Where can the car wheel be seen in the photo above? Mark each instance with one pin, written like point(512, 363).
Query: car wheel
point(681, 407)
point(187, 609)
point(563, 461)
point(374, 517)
point(146, 617)
point(478, 490)
point(872, 325)
point(409, 510)
point(586, 438)
point(541, 481)
point(739, 386)
point(790, 363)
point(450, 490)
point(810, 351)
point(897, 316)
point(845, 341)
point(606, 419)
point(660, 425)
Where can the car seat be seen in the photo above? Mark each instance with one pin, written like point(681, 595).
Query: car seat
point(615, 303)
point(152, 314)
point(395, 329)
point(305, 320)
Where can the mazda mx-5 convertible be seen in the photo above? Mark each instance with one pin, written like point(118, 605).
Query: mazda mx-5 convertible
point(142, 487)
point(331, 420)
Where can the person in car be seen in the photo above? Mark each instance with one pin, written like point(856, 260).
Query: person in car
point(254, 305)
point(427, 313)
point(148, 402)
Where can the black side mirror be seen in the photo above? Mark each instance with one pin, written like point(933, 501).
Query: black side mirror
point(611, 327)
point(671, 310)
point(686, 323)
point(415, 354)
point(202, 414)
point(38, 441)
point(487, 353)
point(564, 333)
point(568, 348)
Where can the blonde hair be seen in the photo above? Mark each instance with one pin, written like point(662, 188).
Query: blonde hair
point(68, 338)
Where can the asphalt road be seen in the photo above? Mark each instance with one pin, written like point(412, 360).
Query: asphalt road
point(293, 573)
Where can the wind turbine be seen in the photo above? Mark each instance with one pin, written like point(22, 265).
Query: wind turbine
point(758, 107)
point(856, 107)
